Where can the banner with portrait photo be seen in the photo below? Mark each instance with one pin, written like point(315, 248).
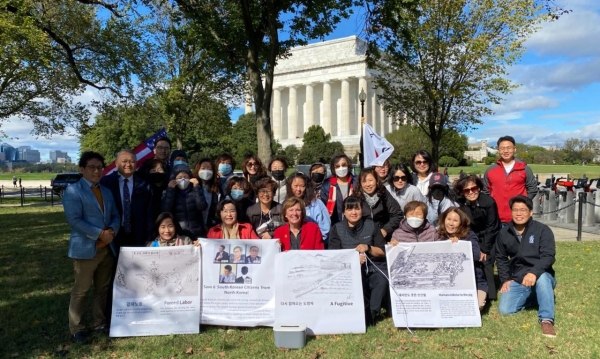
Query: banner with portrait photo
point(432, 285)
point(156, 292)
point(238, 282)
point(321, 289)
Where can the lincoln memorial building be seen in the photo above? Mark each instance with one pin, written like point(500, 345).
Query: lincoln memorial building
point(319, 84)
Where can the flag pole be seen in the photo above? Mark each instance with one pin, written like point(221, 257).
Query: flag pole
point(362, 96)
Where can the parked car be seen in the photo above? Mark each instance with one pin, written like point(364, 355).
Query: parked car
point(62, 180)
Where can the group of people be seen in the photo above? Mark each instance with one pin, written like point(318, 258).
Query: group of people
point(169, 202)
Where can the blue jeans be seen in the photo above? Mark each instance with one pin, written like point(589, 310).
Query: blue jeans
point(519, 297)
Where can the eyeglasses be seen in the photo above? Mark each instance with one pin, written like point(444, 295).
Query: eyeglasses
point(505, 149)
point(520, 210)
point(474, 189)
point(252, 164)
point(399, 178)
point(162, 148)
point(419, 163)
point(95, 168)
point(229, 211)
point(264, 191)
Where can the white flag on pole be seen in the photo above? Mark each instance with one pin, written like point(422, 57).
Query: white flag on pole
point(376, 148)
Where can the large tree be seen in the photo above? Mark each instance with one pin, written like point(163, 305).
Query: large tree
point(409, 139)
point(442, 63)
point(51, 50)
point(250, 36)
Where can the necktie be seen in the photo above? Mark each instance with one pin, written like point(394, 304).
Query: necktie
point(126, 207)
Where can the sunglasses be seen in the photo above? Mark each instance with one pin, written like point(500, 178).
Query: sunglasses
point(474, 189)
point(252, 164)
point(399, 178)
point(419, 163)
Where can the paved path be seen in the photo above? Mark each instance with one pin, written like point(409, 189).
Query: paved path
point(29, 183)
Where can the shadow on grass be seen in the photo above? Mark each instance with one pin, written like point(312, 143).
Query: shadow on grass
point(36, 278)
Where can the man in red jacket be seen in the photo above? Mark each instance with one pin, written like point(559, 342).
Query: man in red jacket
point(508, 178)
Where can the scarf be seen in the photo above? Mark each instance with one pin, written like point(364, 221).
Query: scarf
point(332, 198)
point(234, 232)
point(371, 200)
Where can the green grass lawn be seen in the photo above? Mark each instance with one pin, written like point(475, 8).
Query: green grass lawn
point(29, 176)
point(36, 279)
point(575, 170)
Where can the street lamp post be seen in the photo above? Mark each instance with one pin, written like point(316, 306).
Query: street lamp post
point(362, 96)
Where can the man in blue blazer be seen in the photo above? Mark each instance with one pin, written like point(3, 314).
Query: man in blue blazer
point(132, 197)
point(94, 220)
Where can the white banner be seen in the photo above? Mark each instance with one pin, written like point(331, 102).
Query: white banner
point(321, 289)
point(156, 292)
point(436, 285)
point(376, 148)
point(238, 282)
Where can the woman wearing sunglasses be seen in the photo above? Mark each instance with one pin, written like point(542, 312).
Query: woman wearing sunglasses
point(401, 186)
point(422, 166)
point(253, 169)
point(483, 215)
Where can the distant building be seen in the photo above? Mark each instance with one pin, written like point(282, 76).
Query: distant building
point(29, 155)
point(56, 155)
point(9, 152)
point(478, 151)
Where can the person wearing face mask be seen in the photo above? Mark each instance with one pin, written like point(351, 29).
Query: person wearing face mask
point(485, 222)
point(300, 186)
point(204, 171)
point(414, 227)
point(454, 226)
point(377, 203)
point(277, 167)
point(318, 173)
point(338, 187)
point(184, 198)
point(253, 169)
point(157, 178)
point(241, 192)
point(438, 198)
point(225, 166)
point(178, 158)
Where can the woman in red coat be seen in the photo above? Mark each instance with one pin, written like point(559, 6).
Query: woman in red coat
point(297, 233)
point(230, 228)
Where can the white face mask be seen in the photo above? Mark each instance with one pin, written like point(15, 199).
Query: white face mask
point(414, 222)
point(205, 174)
point(183, 183)
point(341, 171)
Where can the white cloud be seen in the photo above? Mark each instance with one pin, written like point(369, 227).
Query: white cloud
point(520, 102)
point(564, 76)
point(572, 35)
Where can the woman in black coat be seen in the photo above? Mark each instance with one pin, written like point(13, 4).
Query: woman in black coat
point(483, 214)
point(184, 198)
point(377, 203)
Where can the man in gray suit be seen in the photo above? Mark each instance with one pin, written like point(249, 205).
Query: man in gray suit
point(94, 220)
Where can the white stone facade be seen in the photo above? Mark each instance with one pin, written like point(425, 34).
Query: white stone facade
point(319, 84)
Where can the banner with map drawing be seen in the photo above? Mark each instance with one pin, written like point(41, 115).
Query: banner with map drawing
point(432, 285)
point(238, 282)
point(320, 289)
point(156, 292)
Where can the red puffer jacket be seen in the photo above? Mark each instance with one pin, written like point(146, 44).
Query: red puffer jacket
point(502, 186)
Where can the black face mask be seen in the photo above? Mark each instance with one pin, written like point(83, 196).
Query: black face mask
point(437, 193)
point(278, 175)
point(157, 178)
point(317, 177)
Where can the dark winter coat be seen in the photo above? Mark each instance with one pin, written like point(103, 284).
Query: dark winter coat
point(484, 220)
point(187, 207)
point(534, 252)
point(386, 214)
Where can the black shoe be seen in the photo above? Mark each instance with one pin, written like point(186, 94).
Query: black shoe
point(80, 337)
point(105, 330)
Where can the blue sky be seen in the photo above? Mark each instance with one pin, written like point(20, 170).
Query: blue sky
point(558, 97)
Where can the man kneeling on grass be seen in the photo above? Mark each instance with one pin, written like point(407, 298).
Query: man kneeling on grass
point(525, 252)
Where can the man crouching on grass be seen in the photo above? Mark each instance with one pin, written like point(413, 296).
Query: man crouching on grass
point(525, 252)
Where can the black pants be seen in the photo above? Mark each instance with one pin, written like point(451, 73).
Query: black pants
point(375, 289)
point(488, 270)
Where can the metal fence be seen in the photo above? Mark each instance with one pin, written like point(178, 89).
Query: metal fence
point(27, 195)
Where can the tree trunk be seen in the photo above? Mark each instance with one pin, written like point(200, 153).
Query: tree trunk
point(263, 135)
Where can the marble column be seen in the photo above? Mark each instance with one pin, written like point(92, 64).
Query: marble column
point(374, 112)
point(362, 85)
point(292, 119)
point(309, 108)
point(248, 104)
point(326, 115)
point(344, 119)
point(384, 121)
point(277, 114)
